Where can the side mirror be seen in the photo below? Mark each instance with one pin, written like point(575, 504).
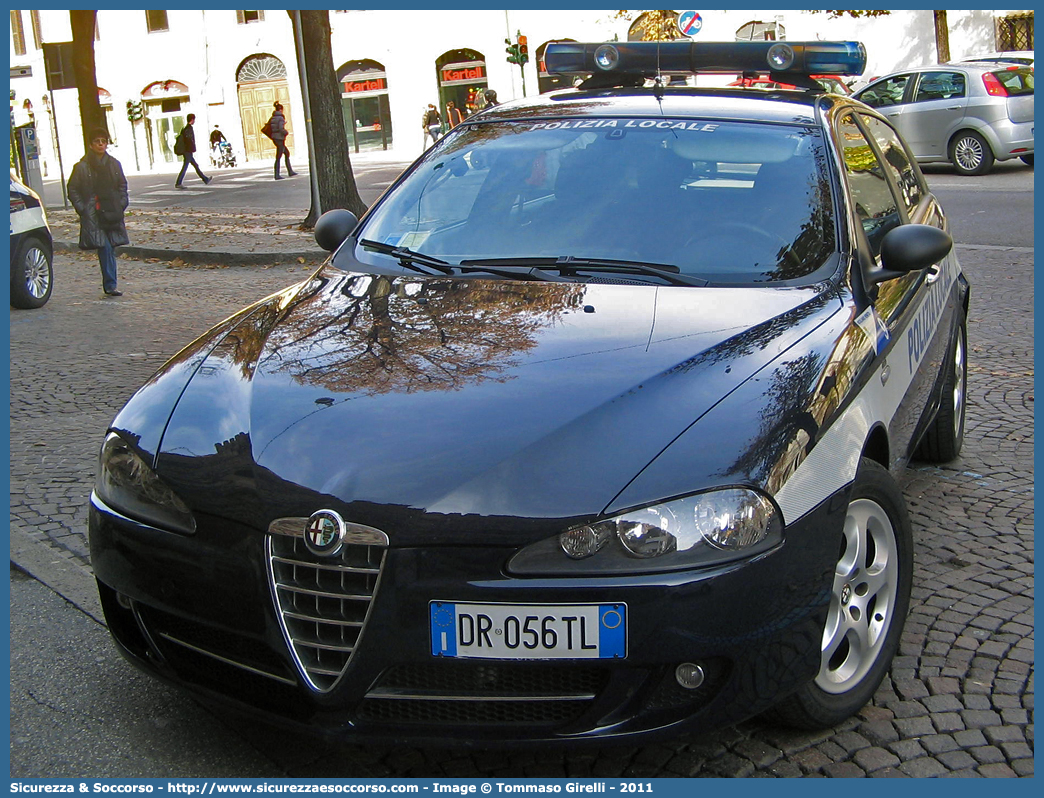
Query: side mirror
point(334, 227)
point(910, 248)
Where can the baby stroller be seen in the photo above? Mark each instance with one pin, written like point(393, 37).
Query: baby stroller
point(221, 155)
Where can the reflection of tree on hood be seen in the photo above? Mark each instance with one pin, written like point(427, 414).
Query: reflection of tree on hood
point(380, 335)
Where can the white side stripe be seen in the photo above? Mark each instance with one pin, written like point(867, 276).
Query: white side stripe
point(832, 463)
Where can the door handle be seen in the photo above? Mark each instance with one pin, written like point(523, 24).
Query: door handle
point(953, 108)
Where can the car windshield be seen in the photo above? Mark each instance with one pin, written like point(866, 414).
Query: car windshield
point(721, 201)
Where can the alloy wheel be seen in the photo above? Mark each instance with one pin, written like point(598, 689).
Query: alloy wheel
point(969, 153)
point(37, 272)
point(863, 598)
point(958, 387)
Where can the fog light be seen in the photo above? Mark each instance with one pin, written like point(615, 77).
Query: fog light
point(606, 57)
point(689, 675)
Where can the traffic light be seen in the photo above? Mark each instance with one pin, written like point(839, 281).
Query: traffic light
point(134, 111)
point(512, 51)
point(523, 49)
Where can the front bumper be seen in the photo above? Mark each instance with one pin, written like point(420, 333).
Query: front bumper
point(199, 612)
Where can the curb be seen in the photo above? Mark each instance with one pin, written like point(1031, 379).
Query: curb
point(199, 257)
point(58, 571)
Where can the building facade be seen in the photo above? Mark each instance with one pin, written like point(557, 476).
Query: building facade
point(228, 67)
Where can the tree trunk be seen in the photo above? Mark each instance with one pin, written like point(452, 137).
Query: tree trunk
point(331, 166)
point(91, 113)
point(942, 36)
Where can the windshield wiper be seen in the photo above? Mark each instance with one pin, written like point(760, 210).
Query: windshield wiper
point(568, 265)
point(408, 258)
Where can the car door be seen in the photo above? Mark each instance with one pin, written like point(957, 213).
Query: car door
point(889, 96)
point(935, 111)
point(886, 190)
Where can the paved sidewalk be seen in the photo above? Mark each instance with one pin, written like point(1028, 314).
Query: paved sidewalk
point(233, 237)
point(226, 236)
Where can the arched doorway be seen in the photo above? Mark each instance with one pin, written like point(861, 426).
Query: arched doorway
point(364, 104)
point(757, 31)
point(462, 80)
point(164, 113)
point(261, 80)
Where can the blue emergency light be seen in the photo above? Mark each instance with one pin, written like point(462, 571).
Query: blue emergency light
point(653, 58)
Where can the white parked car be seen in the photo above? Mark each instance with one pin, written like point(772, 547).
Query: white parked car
point(32, 274)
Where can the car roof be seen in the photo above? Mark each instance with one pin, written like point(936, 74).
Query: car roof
point(980, 66)
point(794, 107)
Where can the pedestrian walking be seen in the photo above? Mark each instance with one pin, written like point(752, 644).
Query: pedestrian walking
point(277, 132)
point(98, 192)
point(432, 123)
point(186, 143)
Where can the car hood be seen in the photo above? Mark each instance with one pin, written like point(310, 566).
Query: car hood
point(465, 397)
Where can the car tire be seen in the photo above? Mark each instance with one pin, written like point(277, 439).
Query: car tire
point(1026, 159)
point(970, 154)
point(943, 439)
point(32, 274)
point(869, 599)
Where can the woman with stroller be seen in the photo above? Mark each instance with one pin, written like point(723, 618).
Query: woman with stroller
point(221, 149)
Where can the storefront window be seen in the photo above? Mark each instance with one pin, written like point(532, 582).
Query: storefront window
point(462, 81)
point(365, 105)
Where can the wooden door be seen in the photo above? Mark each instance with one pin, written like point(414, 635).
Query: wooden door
point(255, 107)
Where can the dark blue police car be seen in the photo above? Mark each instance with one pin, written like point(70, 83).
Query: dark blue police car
point(588, 430)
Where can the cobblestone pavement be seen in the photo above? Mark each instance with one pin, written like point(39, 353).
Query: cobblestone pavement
point(959, 699)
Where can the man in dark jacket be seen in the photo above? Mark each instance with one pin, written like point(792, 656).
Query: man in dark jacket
point(187, 137)
point(279, 132)
point(98, 192)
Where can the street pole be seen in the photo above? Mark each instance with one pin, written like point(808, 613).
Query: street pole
point(313, 178)
point(58, 148)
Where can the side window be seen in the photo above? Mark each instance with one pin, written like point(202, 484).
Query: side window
point(885, 92)
point(871, 195)
point(940, 86)
point(897, 161)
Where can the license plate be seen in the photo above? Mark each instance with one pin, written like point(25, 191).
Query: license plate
point(528, 631)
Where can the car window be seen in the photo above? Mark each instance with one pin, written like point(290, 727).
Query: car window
point(726, 201)
point(1016, 80)
point(885, 92)
point(872, 198)
point(897, 161)
point(940, 86)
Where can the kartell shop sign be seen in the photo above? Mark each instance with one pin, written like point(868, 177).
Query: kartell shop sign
point(465, 72)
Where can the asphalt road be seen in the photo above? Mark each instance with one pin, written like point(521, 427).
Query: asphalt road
point(959, 700)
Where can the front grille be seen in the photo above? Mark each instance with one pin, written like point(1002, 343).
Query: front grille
point(323, 603)
point(480, 693)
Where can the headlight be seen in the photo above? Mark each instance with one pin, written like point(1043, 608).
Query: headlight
point(127, 483)
point(696, 531)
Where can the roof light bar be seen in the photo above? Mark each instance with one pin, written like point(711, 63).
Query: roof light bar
point(650, 58)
